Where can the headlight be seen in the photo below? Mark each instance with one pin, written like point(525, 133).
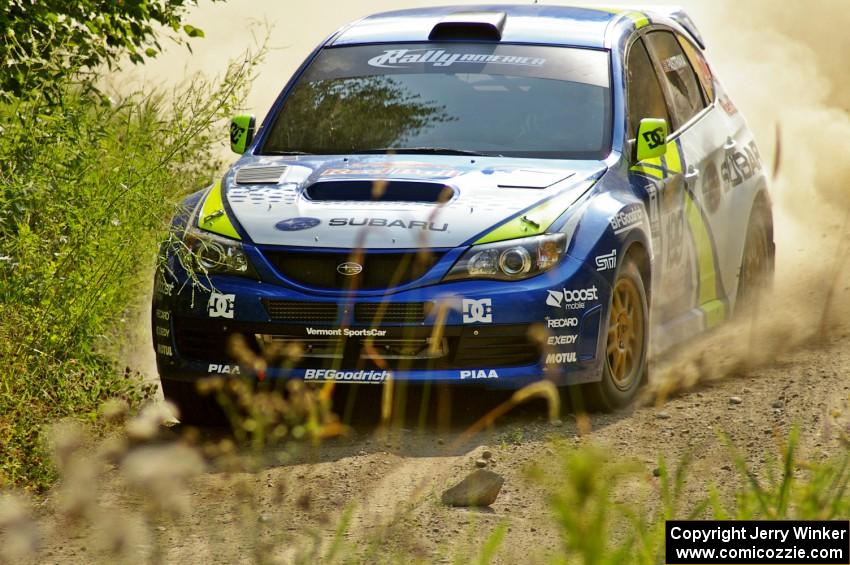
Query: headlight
point(511, 260)
point(207, 253)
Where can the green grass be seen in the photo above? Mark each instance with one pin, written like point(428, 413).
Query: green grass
point(87, 186)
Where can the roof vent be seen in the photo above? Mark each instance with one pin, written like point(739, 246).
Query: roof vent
point(470, 26)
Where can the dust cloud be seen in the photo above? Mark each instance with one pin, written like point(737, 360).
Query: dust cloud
point(780, 62)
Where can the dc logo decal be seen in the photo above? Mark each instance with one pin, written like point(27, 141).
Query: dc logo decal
point(236, 133)
point(654, 138)
point(297, 224)
point(478, 311)
point(221, 305)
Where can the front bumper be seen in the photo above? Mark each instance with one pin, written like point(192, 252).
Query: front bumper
point(496, 334)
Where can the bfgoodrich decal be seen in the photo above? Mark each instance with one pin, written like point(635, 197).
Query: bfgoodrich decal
point(347, 376)
point(627, 219)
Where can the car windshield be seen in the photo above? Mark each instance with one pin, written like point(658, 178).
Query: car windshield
point(453, 98)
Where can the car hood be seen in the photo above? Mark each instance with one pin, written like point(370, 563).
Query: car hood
point(430, 201)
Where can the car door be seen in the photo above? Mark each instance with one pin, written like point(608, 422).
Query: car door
point(662, 180)
point(693, 272)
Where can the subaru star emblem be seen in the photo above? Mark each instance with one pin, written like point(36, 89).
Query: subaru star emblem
point(349, 269)
point(297, 224)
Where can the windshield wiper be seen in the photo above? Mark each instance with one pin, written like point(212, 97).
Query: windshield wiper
point(423, 151)
point(287, 153)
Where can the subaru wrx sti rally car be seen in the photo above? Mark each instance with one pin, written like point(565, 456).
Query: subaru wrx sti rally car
point(489, 195)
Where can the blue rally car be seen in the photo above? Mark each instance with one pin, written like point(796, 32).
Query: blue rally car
point(486, 195)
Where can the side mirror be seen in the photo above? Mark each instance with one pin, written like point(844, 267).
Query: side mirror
point(651, 139)
point(241, 133)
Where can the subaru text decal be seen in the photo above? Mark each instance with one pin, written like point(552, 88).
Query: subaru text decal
point(385, 223)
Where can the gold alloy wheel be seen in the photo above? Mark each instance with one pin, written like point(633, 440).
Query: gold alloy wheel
point(625, 334)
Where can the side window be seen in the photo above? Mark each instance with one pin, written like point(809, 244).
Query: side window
point(700, 65)
point(644, 91)
point(680, 80)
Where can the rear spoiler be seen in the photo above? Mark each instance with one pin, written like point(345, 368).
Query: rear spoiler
point(678, 15)
point(675, 13)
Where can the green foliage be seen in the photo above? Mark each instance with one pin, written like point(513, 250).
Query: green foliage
point(598, 527)
point(86, 191)
point(45, 42)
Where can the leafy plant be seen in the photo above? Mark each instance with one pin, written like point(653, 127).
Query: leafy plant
point(47, 42)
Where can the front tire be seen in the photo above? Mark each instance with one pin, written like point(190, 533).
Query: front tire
point(195, 408)
point(624, 369)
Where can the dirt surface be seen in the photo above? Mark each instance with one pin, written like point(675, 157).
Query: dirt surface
point(392, 479)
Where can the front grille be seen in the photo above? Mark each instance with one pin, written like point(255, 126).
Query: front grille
point(403, 348)
point(394, 312)
point(205, 341)
point(499, 346)
point(300, 311)
point(379, 270)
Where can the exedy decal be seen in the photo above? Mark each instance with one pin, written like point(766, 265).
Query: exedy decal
point(561, 339)
point(385, 223)
point(400, 58)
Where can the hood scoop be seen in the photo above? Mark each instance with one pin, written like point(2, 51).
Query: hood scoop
point(260, 175)
point(379, 191)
